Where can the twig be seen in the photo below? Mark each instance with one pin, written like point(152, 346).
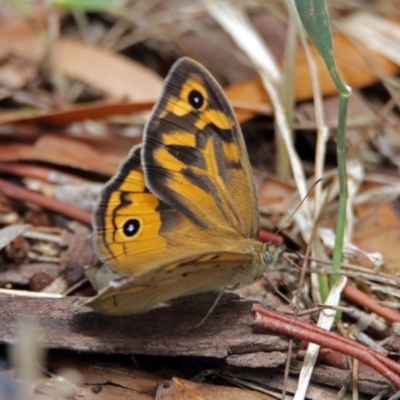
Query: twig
point(270, 320)
point(17, 192)
point(359, 297)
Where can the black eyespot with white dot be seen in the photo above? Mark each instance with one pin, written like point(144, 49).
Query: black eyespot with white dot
point(131, 227)
point(196, 99)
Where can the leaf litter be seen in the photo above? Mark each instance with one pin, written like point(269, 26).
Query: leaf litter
point(68, 108)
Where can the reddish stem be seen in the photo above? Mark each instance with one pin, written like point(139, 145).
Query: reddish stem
point(359, 297)
point(267, 237)
point(37, 172)
point(270, 320)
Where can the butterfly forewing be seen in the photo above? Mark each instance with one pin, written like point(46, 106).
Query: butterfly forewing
point(194, 154)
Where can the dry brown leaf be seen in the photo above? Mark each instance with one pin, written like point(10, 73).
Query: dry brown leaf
point(113, 148)
point(186, 390)
point(378, 230)
point(105, 382)
point(59, 150)
point(75, 113)
point(273, 193)
point(351, 62)
point(116, 75)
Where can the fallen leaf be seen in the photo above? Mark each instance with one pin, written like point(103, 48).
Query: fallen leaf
point(98, 110)
point(352, 64)
point(181, 389)
point(59, 150)
point(273, 193)
point(116, 75)
point(378, 230)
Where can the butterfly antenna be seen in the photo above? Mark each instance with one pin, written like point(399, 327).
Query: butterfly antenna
point(300, 204)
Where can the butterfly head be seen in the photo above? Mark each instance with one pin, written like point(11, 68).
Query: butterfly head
point(271, 253)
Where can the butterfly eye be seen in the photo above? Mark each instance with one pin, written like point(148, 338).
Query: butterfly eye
point(131, 227)
point(268, 257)
point(272, 253)
point(196, 99)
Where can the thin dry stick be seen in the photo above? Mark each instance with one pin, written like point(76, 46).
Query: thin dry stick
point(17, 192)
point(299, 290)
point(42, 173)
point(355, 378)
point(359, 297)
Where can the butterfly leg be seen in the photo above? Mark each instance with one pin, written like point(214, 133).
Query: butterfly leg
point(211, 309)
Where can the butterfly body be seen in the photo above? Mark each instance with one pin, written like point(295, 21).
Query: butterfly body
point(181, 217)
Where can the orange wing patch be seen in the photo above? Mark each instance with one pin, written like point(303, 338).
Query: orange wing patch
point(231, 153)
point(127, 220)
point(216, 117)
point(180, 138)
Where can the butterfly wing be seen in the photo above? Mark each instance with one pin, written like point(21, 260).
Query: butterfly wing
point(160, 253)
point(136, 233)
point(175, 278)
point(187, 223)
point(194, 155)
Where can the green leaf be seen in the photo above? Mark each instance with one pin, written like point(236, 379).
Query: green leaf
point(315, 18)
point(89, 5)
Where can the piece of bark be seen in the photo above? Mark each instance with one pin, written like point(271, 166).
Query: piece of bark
point(166, 330)
point(326, 380)
point(99, 380)
point(84, 377)
point(394, 342)
point(260, 359)
point(272, 380)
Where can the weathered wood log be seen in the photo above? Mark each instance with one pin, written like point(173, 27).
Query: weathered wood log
point(166, 330)
point(226, 335)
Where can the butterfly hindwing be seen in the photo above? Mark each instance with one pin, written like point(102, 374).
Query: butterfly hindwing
point(195, 274)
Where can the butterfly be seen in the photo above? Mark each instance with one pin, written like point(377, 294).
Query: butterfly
point(180, 216)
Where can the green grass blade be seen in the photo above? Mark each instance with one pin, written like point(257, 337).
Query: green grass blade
point(315, 18)
point(89, 5)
